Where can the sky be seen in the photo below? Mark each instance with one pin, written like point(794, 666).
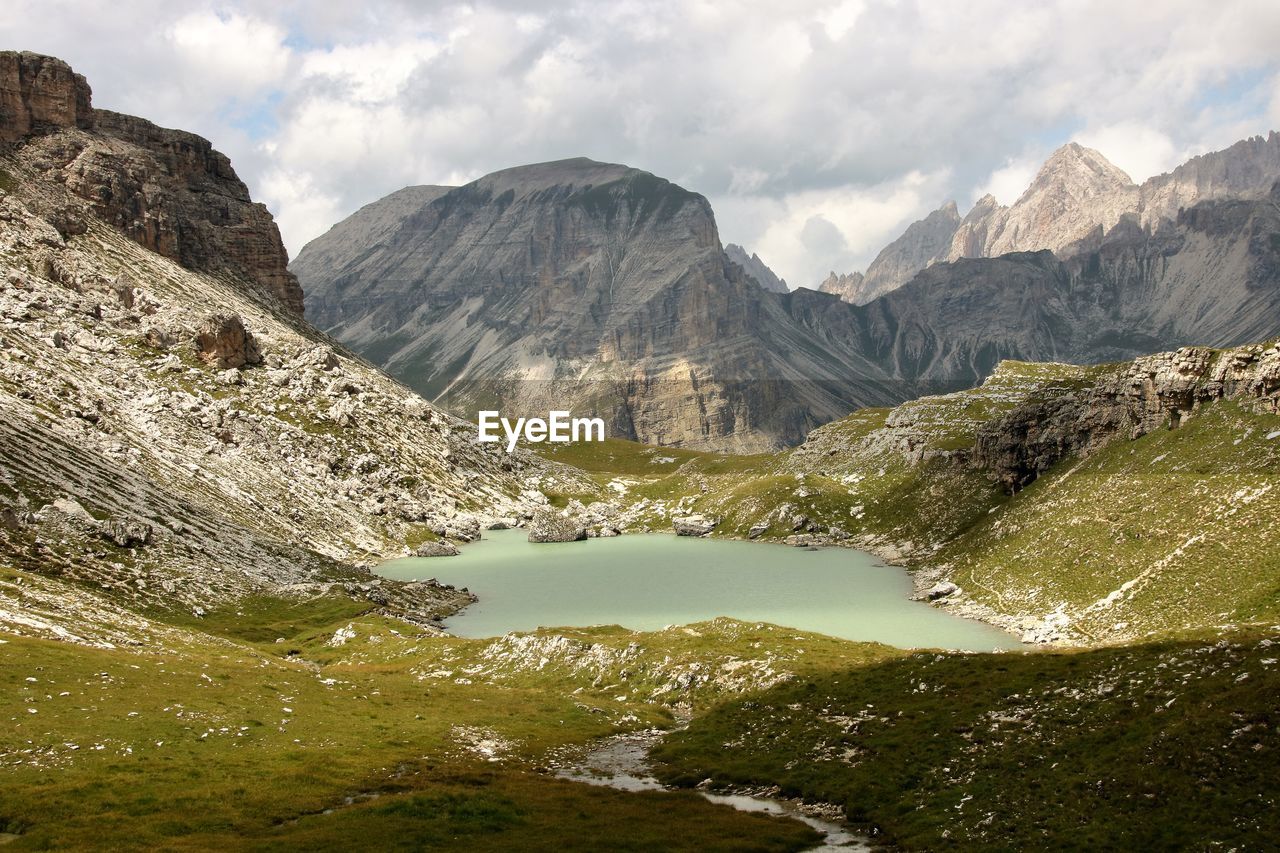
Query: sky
point(818, 130)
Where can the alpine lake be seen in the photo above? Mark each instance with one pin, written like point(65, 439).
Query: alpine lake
point(647, 582)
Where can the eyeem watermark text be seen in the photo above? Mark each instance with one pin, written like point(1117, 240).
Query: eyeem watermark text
point(557, 427)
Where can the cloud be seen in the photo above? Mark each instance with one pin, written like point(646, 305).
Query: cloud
point(817, 128)
point(1008, 182)
point(1140, 150)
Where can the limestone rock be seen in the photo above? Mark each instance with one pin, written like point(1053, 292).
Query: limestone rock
point(127, 534)
point(1155, 392)
point(553, 527)
point(166, 189)
point(436, 549)
point(694, 525)
point(40, 93)
point(940, 590)
point(222, 341)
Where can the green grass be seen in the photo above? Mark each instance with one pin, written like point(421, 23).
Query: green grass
point(1184, 517)
point(201, 742)
point(264, 619)
point(1163, 746)
point(617, 457)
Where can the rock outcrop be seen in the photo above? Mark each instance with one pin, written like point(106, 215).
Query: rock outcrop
point(1155, 392)
point(39, 94)
point(847, 286)
point(693, 525)
point(222, 341)
point(436, 549)
point(551, 526)
point(166, 189)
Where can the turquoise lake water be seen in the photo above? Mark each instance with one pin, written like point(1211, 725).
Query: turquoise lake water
point(646, 582)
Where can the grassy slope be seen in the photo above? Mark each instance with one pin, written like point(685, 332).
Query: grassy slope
point(1165, 746)
point(1181, 516)
point(1176, 528)
point(199, 741)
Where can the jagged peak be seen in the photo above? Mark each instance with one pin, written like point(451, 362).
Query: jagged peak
point(1084, 171)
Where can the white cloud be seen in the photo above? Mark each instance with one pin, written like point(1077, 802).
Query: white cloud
point(811, 233)
point(237, 54)
point(1009, 181)
point(817, 128)
point(1140, 150)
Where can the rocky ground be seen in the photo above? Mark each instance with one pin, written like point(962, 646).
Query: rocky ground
point(175, 437)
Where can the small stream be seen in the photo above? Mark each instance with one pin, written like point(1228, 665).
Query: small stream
point(622, 762)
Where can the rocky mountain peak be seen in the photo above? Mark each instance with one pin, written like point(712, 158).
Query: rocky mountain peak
point(39, 92)
point(920, 245)
point(848, 286)
point(1077, 173)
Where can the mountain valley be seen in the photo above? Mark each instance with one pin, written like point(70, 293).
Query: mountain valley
point(205, 470)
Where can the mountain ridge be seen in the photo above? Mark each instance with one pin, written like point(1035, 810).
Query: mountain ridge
point(1076, 197)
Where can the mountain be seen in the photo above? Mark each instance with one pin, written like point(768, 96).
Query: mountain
point(605, 287)
point(1075, 198)
point(174, 438)
point(1211, 276)
point(1076, 191)
point(583, 285)
point(756, 268)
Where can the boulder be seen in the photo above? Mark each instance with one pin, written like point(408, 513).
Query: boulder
point(436, 549)
point(222, 341)
point(694, 525)
point(942, 589)
point(126, 534)
point(757, 530)
point(554, 527)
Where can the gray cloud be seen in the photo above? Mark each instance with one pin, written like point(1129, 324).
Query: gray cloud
point(817, 129)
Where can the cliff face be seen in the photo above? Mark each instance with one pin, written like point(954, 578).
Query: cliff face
point(166, 189)
point(40, 93)
point(1155, 392)
point(585, 285)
